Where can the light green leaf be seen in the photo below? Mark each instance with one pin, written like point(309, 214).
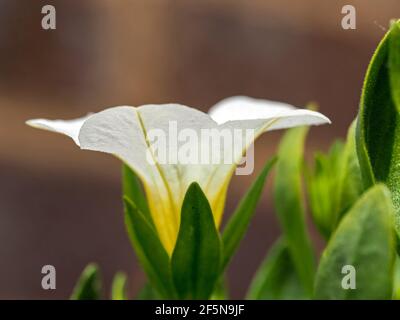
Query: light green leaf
point(239, 222)
point(132, 189)
point(351, 185)
point(196, 259)
point(364, 240)
point(396, 280)
point(118, 289)
point(88, 286)
point(288, 199)
point(276, 279)
point(334, 184)
point(378, 127)
point(394, 62)
point(150, 252)
point(324, 182)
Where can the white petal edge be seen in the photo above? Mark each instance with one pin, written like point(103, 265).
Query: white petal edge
point(70, 128)
point(242, 108)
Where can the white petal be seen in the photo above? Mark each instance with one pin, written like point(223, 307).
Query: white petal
point(69, 128)
point(280, 114)
point(116, 131)
point(124, 132)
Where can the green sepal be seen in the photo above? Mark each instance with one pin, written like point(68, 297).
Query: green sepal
point(196, 259)
point(133, 190)
point(149, 250)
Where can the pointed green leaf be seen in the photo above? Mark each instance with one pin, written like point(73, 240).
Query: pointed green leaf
point(118, 289)
point(364, 240)
point(351, 186)
point(197, 254)
point(151, 253)
point(276, 279)
point(324, 182)
point(239, 222)
point(378, 127)
point(334, 184)
point(288, 199)
point(88, 286)
point(132, 189)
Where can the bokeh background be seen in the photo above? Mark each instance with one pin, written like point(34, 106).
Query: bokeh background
point(61, 206)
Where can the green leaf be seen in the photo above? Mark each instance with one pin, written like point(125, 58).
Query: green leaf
point(132, 189)
point(151, 253)
point(239, 222)
point(276, 279)
point(396, 281)
point(364, 240)
point(394, 62)
point(88, 286)
point(148, 293)
point(288, 199)
point(324, 182)
point(378, 127)
point(351, 185)
point(197, 254)
point(118, 289)
point(334, 184)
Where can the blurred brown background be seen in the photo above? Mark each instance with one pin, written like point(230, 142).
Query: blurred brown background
point(61, 206)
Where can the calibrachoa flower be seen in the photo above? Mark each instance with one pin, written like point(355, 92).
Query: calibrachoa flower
point(123, 132)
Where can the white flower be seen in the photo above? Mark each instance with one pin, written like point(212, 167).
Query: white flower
point(122, 131)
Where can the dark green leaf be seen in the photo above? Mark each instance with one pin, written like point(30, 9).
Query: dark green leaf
point(276, 279)
point(132, 189)
point(239, 222)
point(365, 241)
point(288, 199)
point(378, 127)
point(118, 289)
point(197, 254)
point(151, 253)
point(88, 286)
